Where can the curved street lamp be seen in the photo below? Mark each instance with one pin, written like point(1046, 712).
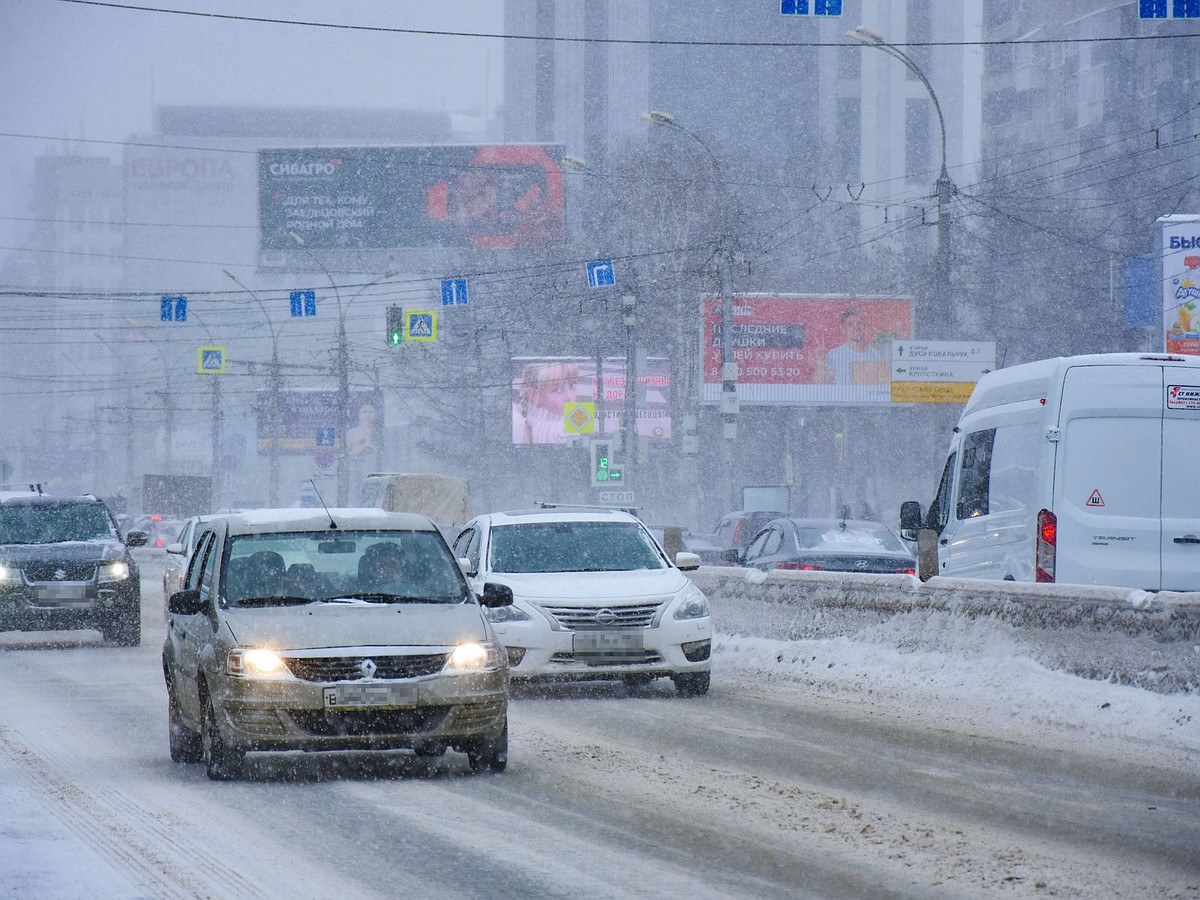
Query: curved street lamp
point(729, 371)
point(944, 187)
point(275, 390)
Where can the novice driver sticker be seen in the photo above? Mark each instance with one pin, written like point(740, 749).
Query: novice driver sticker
point(1183, 396)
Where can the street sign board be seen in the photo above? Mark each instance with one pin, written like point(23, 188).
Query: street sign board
point(303, 303)
point(454, 292)
point(173, 308)
point(211, 361)
point(953, 370)
point(625, 498)
point(422, 325)
point(810, 7)
point(945, 351)
point(600, 272)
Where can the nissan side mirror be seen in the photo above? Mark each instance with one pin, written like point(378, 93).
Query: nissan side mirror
point(495, 595)
point(687, 562)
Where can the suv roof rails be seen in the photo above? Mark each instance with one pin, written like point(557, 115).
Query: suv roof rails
point(547, 504)
point(34, 487)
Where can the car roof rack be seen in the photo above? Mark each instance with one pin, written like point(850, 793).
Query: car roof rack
point(548, 504)
point(33, 487)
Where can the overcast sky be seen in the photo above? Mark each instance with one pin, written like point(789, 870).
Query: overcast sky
point(72, 70)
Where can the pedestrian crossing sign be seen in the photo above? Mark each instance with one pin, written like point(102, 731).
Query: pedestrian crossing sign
point(211, 361)
point(422, 325)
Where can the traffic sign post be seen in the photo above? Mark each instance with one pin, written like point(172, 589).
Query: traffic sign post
point(939, 371)
point(173, 308)
point(303, 303)
point(454, 292)
point(600, 273)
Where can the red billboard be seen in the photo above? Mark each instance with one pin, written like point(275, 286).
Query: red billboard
point(806, 349)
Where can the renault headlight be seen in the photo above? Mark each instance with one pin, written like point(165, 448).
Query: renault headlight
point(693, 605)
point(256, 662)
point(117, 570)
point(474, 656)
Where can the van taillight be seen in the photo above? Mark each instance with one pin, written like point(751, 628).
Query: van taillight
point(1047, 540)
point(737, 532)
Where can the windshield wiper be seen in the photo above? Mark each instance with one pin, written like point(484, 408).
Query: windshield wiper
point(385, 597)
point(275, 600)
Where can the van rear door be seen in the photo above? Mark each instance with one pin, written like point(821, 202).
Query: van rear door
point(1181, 478)
point(1107, 476)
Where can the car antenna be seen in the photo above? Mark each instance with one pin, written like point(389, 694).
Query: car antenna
point(332, 524)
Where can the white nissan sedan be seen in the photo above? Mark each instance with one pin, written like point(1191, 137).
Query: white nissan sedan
point(594, 597)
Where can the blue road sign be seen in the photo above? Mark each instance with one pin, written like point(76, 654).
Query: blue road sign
point(304, 303)
point(454, 292)
point(810, 7)
point(600, 273)
point(1169, 9)
point(174, 308)
point(326, 437)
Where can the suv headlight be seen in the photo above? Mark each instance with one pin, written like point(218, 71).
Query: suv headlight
point(693, 605)
point(474, 656)
point(9, 572)
point(117, 570)
point(256, 662)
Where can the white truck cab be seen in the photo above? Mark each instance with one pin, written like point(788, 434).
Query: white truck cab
point(1083, 470)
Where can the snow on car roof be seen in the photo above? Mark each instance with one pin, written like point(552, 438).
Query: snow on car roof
point(299, 519)
point(557, 514)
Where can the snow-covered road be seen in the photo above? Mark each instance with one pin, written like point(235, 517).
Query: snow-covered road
point(922, 758)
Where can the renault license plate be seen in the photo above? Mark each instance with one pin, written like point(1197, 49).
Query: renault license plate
point(370, 696)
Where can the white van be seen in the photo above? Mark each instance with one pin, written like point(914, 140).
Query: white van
point(1083, 470)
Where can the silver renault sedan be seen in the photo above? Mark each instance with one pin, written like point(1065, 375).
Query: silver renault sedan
point(346, 629)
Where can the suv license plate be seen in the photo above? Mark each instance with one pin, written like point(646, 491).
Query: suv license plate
point(370, 696)
point(625, 645)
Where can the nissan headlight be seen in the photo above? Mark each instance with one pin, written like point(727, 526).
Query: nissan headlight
point(693, 605)
point(256, 662)
point(117, 570)
point(474, 656)
point(498, 615)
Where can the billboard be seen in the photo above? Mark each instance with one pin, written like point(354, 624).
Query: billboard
point(804, 349)
point(1181, 284)
point(308, 423)
point(556, 399)
point(372, 198)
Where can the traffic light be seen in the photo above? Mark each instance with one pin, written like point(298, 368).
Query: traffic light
point(395, 325)
point(601, 463)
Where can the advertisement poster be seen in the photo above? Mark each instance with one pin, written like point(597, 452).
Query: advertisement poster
point(308, 422)
point(805, 349)
point(557, 399)
point(1181, 284)
point(370, 198)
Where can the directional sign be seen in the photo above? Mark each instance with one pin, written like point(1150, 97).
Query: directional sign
point(954, 370)
point(304, 303)
point(931, 391)
point(454, 292)
point(600, 272)
point(173, 309)
point(1169, 9)
point(810, 7)
point(211, 361)
point(422, 325)
point(326, 437)
point(945, 351)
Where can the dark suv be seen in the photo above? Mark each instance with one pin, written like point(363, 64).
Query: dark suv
point(63, 565)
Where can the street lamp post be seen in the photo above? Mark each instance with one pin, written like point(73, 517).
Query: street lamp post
point(944, 188)
point(275, 391)
point(729, 369)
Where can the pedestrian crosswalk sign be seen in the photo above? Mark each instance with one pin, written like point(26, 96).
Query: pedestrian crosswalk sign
point(422, 325)
point(211, 361)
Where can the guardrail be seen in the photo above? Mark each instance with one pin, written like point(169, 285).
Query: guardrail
point(1150, 640)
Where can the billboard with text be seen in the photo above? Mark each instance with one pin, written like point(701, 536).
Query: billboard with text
point(370, 198)
point(804, 349)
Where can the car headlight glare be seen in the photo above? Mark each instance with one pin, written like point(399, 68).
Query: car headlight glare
point(117, 570)
point(501, 614)
point(256, 662)
point(693, 606)
point(9, 573)
point(475, 656)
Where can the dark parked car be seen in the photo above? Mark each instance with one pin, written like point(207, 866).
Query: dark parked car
point(63, 565)
point(827, 545)
point(735, 531)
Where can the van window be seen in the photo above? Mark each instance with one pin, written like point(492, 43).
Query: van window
point(939, 509)
point(1014, 468)
point(976, 474)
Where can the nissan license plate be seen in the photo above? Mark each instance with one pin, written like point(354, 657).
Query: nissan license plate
point(624, 645)
point(370, 696)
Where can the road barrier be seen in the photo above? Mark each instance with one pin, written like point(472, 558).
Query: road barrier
point(1150, 640)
